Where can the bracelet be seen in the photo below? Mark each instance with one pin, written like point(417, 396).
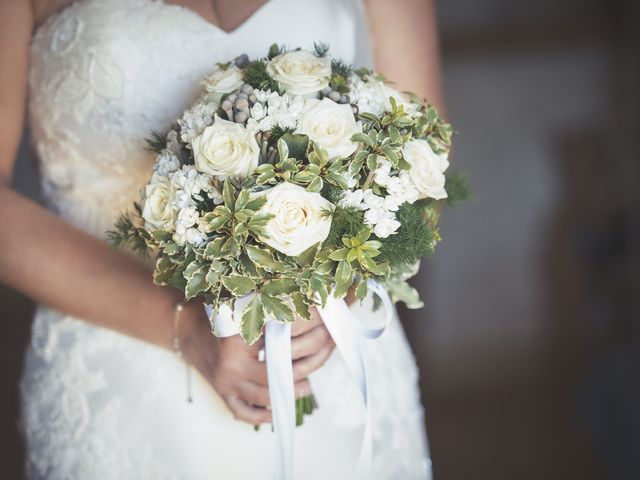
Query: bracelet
point(177, 348)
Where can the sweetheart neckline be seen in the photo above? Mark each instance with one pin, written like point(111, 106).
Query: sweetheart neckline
point(164, 3)
point(214, 26)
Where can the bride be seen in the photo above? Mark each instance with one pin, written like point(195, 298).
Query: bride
point(104, 397)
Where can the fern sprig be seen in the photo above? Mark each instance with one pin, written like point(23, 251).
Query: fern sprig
point(127, 234)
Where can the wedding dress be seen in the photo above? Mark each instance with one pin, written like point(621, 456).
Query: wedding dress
point(98, 405)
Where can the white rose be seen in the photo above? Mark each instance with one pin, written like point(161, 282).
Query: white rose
point(427, 169)
point(331, 126)
point(226, 148)
point(300, 72)
point(223, 81)
point(299, 222)
point(158, 209)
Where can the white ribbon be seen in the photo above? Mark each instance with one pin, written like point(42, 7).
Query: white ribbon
point(348, 333)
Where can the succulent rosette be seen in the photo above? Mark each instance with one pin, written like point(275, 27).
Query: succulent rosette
point(294, 177)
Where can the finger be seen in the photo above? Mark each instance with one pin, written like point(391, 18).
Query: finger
point(309, 343)
point(303, 367)
point(244, 412)
point(255, 371)
point(301, 325)
point(253, 394)
point(302, 388)
point(256, 347)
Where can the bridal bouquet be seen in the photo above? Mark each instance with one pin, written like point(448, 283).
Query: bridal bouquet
point(294, 178)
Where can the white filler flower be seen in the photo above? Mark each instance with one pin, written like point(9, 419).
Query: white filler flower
point(330, 125)
point(158, 211)
point(298, 221)
point(372, 96)
point(226, 148)
point(300, 72)
point(427, 169)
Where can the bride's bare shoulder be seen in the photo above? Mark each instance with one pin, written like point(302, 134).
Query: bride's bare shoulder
point(43, 9)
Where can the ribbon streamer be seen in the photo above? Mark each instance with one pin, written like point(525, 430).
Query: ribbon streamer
point(348, 333)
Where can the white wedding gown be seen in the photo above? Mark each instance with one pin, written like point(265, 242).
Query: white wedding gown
point(98, 405)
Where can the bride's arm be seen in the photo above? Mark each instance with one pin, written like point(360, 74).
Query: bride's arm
point(406, 48)
point(67, 269)
point(52, 262)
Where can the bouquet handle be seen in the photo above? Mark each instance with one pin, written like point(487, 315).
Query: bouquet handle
point(348, 333)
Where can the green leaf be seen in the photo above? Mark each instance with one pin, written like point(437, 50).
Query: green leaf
point(318, 286)
point(344, 273)
point(302, 309)
point(361, 290)
point(394, 135)
point(243, 215)
point(370, 117)
point(318, 156)
point(394, 104)
point(307, 257)
point(212, 277)
point(289, 165)
point(265, 176)
point(228, 195)
point(391, 154)
point(264, 259)
point(274, 51)
point(161, 235)
point(358, 161)
point(238, 285)
point(297, 144)
point(230, 248)
point(305, 176)
point(277, 308)
point(363, 235)
point(163, 270)
point(172, 248)
point(363, 138)
point(336, 167)
point(325, 268)
point(338, 179)
point(214, 248)
point(353, 254)
point(340, 254)
point(283, 150)
point(256, 203)
point(372, 161)
point(196, 280)
point(401, 291)
point(315, 185)
point(217, 223)
point(242, 200)
point(279, 286)
point(341, 289)
point(371, 246)
point(252, 320)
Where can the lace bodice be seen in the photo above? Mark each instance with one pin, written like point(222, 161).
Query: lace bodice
point(105, 74)
point(99, 405)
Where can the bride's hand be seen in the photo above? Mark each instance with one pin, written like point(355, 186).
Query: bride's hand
point(230, 366)
point(311, 345)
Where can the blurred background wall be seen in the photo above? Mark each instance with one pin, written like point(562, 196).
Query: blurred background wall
point(529, 342)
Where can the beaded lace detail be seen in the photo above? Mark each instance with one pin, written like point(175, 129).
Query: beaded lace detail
point(100, 405)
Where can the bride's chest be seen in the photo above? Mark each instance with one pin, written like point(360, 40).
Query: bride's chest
point(101, 68)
